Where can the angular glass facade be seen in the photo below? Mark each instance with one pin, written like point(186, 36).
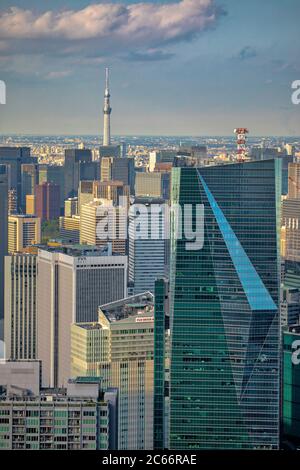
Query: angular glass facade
point(224, 382)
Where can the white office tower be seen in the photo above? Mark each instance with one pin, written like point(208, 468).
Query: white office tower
point(119, 348)
point(72, 283)
point(106, 111)
point(20, 322)
point(148, 248)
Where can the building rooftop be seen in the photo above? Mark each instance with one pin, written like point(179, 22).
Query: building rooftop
point(140, 304)
point(80, 250)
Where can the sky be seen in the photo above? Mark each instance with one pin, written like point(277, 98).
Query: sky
point(177, 67)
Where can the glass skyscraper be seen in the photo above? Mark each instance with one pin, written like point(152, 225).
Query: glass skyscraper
point(224, 375)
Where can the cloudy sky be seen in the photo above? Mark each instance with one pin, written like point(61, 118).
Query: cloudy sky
point(189, 67)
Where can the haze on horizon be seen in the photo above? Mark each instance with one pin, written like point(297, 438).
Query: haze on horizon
point(189, 67)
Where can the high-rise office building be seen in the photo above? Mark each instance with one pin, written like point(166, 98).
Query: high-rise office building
point(291, 224)
point(92, 215)
point(294, 180)
point(53, 174)
point(29, 180)
point(161, 364)
point(266, 153)
point(23, 231)
point(154, 184)
point(224, 302)
point(79, 167)
point(118, 169)
point(20, 319)
point(85, 193)
point(161, 156)
point(112, 190)
point(12, 201)
point(14, 157)
point(30, 204)
point(72, 282)
point(119, 348)
point(47, 201)
point(80, 416)
point(148, 247)
point(289, 306)
point(195, 156)
point(71, 206)
point(291, 276)
point(69, 229)
point(3, 229)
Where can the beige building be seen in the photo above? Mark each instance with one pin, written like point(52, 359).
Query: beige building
point(294, 181)
point(119, 347)
point(291, 228)
point(112, 190)
point(23, 231)
point(85, 194)
point(72, 282)
point(20, 319)
point(71, 206)
point(69, 229)
point(155, 184)
point(161, 156)
point(92, 223)
point(30, 204)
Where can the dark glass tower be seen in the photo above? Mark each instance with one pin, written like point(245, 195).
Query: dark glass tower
point(224, 376)
point(161, 326)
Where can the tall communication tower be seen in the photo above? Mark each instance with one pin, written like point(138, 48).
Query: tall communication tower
point(241, 139)
point(106, 110)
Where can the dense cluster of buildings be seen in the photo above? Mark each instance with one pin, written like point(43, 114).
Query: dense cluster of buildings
point(118, 332)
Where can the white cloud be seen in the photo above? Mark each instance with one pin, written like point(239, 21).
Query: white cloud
point(147, 23)
point(58, 74)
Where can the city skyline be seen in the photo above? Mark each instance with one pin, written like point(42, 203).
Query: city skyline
point(212, 66)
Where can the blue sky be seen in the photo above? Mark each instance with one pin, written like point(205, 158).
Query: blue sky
point(203, 68)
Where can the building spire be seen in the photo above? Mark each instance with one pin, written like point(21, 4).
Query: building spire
point(106, 78)
point(106, 110)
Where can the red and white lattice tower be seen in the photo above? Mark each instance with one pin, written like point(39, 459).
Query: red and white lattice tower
point(241, 140)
